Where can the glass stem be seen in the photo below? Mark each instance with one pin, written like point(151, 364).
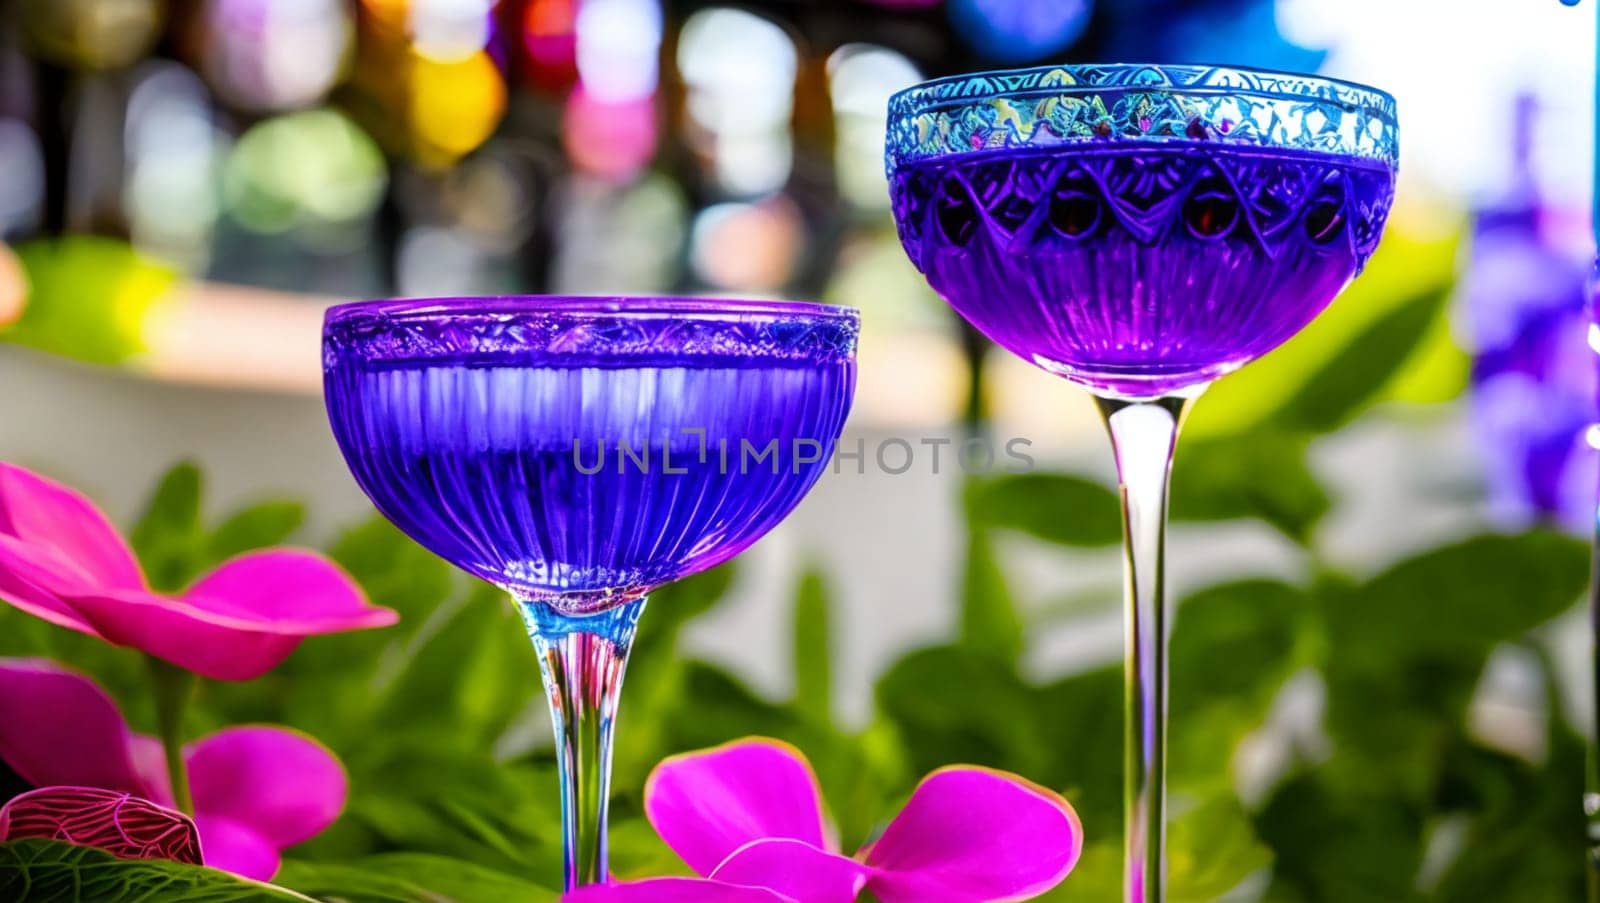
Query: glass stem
point(173, 686)
point(1143, 434)
point(582, 659)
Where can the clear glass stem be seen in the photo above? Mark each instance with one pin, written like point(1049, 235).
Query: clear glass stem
point(582, 659)
point(1143, 434)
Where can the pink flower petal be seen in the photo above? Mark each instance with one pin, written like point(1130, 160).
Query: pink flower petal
point(674, 890)
point(283, 786)
point(795, 869)
point(43, 513)
point(150, 764)
point(288, 591)
point(186, 636)
point(29, 576)
point(707, 804)
point(969, 835)
point(236, 848)
point(241, 620)
point(58, 727)
point(119, 823)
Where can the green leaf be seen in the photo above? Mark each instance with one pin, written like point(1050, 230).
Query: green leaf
point(1404, 266)
point(1097, 878)
point(813, 649)
point(951, 704)
point(167, 535)
point(1467, 596)
point(1524, 841)
point(990, 623)
point(1262, 474)
point(1334, 845)
point(1405, 650)
point(416, 794)
point(468, 672)
point(1211, 849)
point(637, 851)
point(44, 871)
point(1060, 508)
point(1348, 382)
point(1232, 648)
point(257, 526)
point(335, 687)
point(393, 569)
point(1080, 721)
point(410, 878)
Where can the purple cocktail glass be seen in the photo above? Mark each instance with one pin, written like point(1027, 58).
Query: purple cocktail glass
point(580, 452)
point(1141, 230)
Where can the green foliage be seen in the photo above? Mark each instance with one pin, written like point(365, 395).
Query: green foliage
point(404, 877)
point(1061, 508)
point(1262, 475)
point(813, 669)
point(167, 536)
point(1355, 376)
point(60, 873)
point(174, 546)
point(256, 526)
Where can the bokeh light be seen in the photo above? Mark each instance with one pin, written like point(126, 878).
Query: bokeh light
point(740, 72)
point(313, 169)
point(1019, 31)
point(747, 247)
point(627, 240)
point(275, 54)
point(450, 30)
point(860, 79)
point(1517, 48)
point(91, 34)
point(173, 152)
point(614, 138)
point(491, 196)
point(618, 48)
point(22, 189)
point(454, 106)
point(13, 287)
point(88, 297)
point(550, 38)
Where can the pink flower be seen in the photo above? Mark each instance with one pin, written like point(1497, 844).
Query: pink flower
point(748, 817)
point(61, 560)
point(256, 790)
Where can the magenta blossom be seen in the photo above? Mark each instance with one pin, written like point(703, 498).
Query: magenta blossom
point(61, 559)
point(256, 789)
point(748, 817)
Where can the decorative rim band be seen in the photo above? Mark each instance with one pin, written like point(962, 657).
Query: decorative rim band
point(588, 331)
point(1053, 105)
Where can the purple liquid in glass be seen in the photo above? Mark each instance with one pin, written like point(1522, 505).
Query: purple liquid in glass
point(583, 452)
point(1140, 268)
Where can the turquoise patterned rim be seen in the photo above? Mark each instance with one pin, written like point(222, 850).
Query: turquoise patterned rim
point(1052, 105)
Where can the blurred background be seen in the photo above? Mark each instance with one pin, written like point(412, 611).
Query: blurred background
point(187, 184)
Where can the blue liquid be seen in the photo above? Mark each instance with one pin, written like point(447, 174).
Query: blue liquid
point(586, 486)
